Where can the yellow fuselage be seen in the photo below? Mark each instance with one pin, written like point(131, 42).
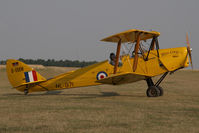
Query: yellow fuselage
point(169, 60)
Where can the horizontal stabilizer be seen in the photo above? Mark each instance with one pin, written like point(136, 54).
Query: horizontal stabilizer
point(122, 78)
point(30, 83)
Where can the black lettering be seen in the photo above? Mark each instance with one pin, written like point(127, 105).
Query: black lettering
point(71, 84)
point(18, 69)
point(58, 85)
point(65, 85)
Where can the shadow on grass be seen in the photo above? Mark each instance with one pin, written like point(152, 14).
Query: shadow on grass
point(75, 95)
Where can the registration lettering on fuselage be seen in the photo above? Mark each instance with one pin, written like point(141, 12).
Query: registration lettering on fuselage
point(67, 84)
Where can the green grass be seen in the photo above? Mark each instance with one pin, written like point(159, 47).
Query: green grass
point(108, 109)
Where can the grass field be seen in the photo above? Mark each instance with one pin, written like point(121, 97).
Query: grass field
point(103, 109)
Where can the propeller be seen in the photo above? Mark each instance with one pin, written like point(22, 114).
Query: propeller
point(189, 50)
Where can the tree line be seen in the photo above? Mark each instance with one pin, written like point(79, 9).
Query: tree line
point(52, 62)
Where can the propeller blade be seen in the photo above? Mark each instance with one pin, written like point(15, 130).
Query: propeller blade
point(189, 50)
point(187, 39)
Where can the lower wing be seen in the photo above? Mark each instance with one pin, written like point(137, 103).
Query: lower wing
point(122, 78)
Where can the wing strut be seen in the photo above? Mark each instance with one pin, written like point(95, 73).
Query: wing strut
point(117, 55)
point(135, 63)
point(154, 43)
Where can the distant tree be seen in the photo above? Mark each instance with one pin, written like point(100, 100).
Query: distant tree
point(52, 62)
point(2, 62)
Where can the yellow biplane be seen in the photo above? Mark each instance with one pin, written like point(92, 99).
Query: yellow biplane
point(137, 63)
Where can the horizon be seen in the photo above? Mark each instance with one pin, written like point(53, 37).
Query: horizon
point(71, 29)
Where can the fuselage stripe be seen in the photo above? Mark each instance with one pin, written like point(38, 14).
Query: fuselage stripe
point(27, 77)
point(30, 76)
point(34, 75)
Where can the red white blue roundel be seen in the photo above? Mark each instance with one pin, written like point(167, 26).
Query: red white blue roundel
point(101, 75)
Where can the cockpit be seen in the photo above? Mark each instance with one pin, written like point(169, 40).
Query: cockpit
point(135, 43)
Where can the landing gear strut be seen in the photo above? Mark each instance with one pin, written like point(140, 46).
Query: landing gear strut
point(26, 90)
point(155, 90)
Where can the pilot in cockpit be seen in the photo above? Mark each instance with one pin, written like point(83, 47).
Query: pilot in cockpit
point(112, 59)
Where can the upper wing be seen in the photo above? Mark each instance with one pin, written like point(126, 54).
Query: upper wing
point(131, 36)
point(122, 78)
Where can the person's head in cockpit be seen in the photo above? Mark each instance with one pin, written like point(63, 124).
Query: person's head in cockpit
point(112, 58)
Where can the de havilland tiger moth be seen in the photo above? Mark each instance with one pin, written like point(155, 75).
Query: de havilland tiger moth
point(138, 63)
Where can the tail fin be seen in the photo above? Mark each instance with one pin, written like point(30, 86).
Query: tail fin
point(20, 74)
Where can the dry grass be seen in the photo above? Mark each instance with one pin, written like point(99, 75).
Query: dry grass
point(109, 109)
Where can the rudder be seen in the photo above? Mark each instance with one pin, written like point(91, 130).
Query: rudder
point(19, 73)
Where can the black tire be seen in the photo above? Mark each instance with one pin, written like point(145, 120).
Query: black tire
point(26, 91)
point(153, 91)
point(161, 90)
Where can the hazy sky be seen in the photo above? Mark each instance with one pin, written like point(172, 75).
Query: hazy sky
point(71, 29)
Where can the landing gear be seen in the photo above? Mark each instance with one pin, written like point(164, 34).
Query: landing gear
point(26, 90)
point(161, 90)
point(155, 90)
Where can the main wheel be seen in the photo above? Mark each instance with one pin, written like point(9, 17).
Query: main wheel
point(153, 91)
point(161, 90)
point(26, 91)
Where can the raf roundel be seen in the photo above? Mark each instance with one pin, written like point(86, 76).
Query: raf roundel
point(101, 75)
